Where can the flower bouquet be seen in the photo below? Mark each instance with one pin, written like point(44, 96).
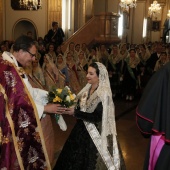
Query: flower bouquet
point(63, 97)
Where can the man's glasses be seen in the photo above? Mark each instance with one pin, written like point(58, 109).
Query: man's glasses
point(32, 55)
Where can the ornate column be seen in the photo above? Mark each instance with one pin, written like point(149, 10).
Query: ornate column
point(108, 32)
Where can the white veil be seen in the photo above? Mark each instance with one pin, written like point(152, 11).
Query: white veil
point(105, 94)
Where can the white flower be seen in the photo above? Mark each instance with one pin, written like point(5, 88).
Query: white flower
point(68, 98)
point(67, 87)
point(74, 96)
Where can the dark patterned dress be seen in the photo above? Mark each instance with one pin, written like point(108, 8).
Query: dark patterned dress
point(79, 151)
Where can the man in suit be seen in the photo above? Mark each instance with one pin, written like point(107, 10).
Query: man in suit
point(150, 65)
point(55, 35)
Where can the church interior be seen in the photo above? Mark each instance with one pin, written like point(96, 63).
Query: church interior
point(95, 23)
point(86, 21)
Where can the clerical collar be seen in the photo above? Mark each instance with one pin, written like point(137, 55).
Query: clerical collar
point(19, 64)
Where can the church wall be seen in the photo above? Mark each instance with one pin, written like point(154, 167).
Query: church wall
point(138, 16)
point(99, 7)
point(113, 6)
point(42, 18)
point(11, 17)
point(134, 33)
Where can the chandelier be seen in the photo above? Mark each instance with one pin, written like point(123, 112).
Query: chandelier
point(126, 4)
point(154, 9)
point(168, 15)
point(30, 4)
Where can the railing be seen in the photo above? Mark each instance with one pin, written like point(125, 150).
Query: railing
point(102, 28)
point(85, 34)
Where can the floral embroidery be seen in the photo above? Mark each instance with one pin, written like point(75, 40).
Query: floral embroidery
point(32, 155)
point(20, 144)
point(26, 98)
point(26, 131)
point(44, 167)
point(10, 78)
point(35, 165)
point(6, 62)
point(93, 101)
point(37, 137)
point(5, 139)
point(11, 107)
point(24, 119)
point(21, 110)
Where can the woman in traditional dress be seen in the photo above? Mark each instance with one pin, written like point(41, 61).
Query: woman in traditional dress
point(71, 50)
point(59, 51)
point(144, 77)
point(62, 67)
point(37, 74)
point(51, 52)
point(123, 51)
point(82, 68)
point(93, 143)
point(130, 79)
point(161, 62)
point(51, 73)
point(121, 65)
point(76, 51)
point(85, 49)
point(113, 71)
point(93, 55)
point(103, 55)
point(144, 54)
point(72, 68)
point(123, 54)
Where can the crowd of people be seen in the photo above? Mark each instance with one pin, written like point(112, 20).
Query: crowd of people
point(130, 66)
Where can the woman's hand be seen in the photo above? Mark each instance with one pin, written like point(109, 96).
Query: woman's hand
point(54, 108)
point(69, 111)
